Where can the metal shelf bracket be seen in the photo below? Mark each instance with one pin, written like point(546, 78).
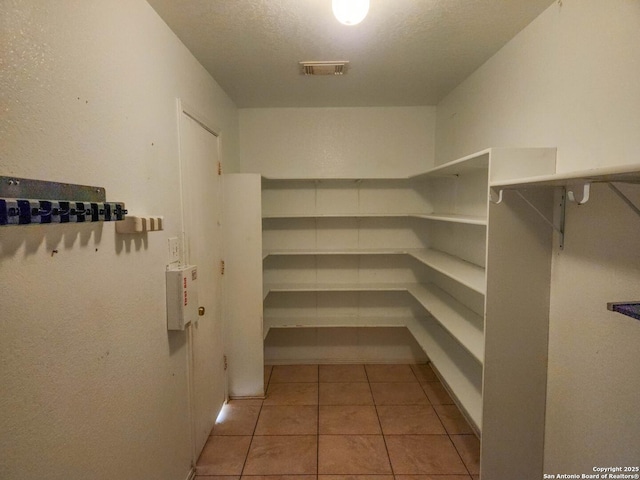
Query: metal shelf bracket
point(557, 228)
point(624, 198)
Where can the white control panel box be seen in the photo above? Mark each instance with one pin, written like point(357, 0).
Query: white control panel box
point(182, 297)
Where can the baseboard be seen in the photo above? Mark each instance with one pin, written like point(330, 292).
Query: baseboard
point(325, 345)
point(191, 475)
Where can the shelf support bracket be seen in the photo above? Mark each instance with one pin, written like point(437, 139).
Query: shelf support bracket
point(586, 190)
point(559, 229)
point(624, 198)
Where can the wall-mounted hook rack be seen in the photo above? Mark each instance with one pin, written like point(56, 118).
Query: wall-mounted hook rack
point(25, 201)
point(138, 224)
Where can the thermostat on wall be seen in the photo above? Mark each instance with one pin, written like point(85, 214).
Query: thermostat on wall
point(182, 297)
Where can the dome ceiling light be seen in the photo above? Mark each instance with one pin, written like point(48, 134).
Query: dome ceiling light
point(350, 12)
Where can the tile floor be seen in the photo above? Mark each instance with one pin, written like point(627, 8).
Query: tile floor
point(352, 422)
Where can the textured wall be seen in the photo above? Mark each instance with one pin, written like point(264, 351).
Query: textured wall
point(92, 385)
point(569, 80)
point(337, 142)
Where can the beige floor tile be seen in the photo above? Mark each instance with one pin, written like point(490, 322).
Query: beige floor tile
point(423, 454)
point(468, 447)
point(278, 477)
point(238, 417)
point(424, 373)
point(345, 394)
point(342, 373)
point(267, 374)
point(352, 454)
point(433, 477)
point(437, 394)
point(453, 421)
point(216, 477)
point(348, 420)
point(409, 420)
point(292, 394)
point(288, 420)
point(355, 477)
point(282, 455)
point(390, 373)
point(223, 455)
point(398, 394)
point(294, 374)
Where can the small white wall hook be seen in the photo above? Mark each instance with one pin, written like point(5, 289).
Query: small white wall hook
point(499, 201)
point(586, 190)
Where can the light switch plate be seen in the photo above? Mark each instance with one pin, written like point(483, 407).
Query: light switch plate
point(174, 250)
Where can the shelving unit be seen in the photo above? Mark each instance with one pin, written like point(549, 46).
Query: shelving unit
point(421, 242)
point(520, 239)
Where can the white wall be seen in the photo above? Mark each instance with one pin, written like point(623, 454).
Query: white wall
point(337, 142)
point(570, 80)
point(92, 385)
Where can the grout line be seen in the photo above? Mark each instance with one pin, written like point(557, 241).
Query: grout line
point(255, 427)
point(318, 427)
point(384, 438)
point(458, 452)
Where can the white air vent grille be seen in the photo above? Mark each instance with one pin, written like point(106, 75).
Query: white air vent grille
point(324, 68)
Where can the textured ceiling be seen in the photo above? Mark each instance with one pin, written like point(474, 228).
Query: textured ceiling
point(406, 52)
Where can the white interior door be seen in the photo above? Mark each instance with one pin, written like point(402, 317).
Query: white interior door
point(202, 211)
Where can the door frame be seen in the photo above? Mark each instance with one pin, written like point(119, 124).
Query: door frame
point(184, 108)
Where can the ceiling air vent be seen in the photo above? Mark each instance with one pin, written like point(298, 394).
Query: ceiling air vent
point(324, 68)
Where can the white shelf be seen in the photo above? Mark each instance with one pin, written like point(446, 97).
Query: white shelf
point(465, 273)
point(312, 321)
point(462, 323)
point(628, 173)
point(344, 251)
point(334, 287)
point(475, 162)
point(440, 217)
point(460, 372)
point(337, 215)
point(454, 218)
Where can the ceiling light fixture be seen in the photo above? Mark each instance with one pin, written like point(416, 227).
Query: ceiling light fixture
point(350, 12)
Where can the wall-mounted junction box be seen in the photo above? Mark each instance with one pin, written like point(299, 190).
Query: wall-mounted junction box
point(182, 297)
